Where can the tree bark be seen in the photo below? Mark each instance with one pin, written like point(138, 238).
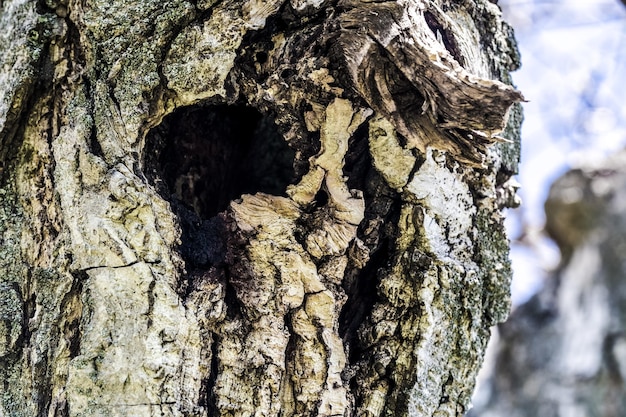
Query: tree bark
point(237, 208)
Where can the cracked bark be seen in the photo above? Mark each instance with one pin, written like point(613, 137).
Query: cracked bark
point(272, 208)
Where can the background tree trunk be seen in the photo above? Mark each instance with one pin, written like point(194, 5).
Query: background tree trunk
point(240, 208)
point(563, 353)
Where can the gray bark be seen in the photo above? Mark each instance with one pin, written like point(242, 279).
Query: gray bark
point(276, 208)
point(563, 353)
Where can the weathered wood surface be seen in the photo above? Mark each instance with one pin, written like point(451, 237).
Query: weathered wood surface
point(359, 272)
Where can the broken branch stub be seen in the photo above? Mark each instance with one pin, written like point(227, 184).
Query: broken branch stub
point(402, 65)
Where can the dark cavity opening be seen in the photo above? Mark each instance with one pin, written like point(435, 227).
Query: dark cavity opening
point(206, 156)
point(200, 158)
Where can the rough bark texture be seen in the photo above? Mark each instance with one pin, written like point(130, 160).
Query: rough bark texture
point(563, 353)
point(238, 208)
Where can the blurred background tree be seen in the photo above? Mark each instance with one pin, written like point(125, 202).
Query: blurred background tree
point(563, 352)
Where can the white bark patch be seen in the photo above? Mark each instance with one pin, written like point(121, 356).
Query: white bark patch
point(127, 221)
point(469, 44)
point(431, 358)
point(448, 207)
point(301, 5)
point(440, 214)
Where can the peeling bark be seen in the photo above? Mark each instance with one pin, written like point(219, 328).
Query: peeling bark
point(277, 208)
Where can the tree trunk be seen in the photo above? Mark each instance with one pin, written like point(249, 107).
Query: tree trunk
point(237, 208)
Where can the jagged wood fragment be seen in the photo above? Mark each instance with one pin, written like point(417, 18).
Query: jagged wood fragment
point(403, 71)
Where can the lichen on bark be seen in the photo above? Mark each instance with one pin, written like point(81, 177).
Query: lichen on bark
point(361, 279)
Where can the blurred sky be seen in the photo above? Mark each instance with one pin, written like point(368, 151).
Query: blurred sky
point(574, 76)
